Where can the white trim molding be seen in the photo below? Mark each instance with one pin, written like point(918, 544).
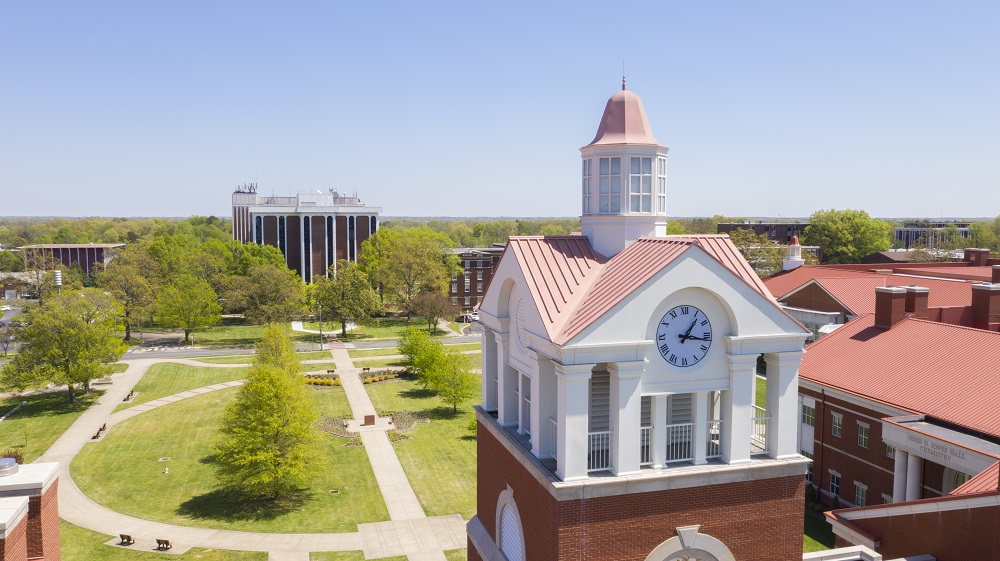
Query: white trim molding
point(689, 540)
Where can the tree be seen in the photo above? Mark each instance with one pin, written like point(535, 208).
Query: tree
point(845, 236)
point(454, 381)
point(6, 338)
point(268, 447)
point(130, 279)
point(276, 349)
point(347, 296)
point(432, 307)
point(188, 303)
point(982, 234)
point(411, 262)
point(10, 262)
point(272, 294)
point(764, 255)
point(67, 340)
point(422, 354)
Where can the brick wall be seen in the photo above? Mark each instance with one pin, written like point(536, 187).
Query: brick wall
point(43, 525)
point(15, 547)
point(757, 520)
point(813, 297)
point(951, 535)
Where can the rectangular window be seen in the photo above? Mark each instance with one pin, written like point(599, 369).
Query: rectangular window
point(468, 264)
point(890, 452)
point(479, 265)
point(661, 185)
point(808, 415)
point(640, 188)
point(479, 287)
point(838, 424)
point(468, 300)
point(479, 275)
point(860, 494)
point(834, 483)
point(454, 277)
point(468, 275)
point(863, 430)
point(586, 186)
point(609, 185)
point(454, 287)
point(809, 473)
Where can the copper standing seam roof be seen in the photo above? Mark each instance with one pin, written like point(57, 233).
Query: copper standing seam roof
point(986, 481)
point(624, 122)
point(858, 293)
point(573, 286)
point(944, 371)
point(558, 270)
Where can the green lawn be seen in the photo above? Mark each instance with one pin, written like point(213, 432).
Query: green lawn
point(381, 328)
point(117, 368)
point(440, 459)
point(348, 556)
point(245, 359)
point(167, 378)
point(80, 544)
point(818, 535)
point(379, 362)
point(391, 351)
point(45, 418)
point(760, 392)
point(456, 555)
point(186, 432)
point(332, 402)
point(235, 334)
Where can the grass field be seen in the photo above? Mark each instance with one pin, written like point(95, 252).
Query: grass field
point(381, 328)
point(760, 392)
point(80, 544)
point(117, 368)
point(233, 333)
point(379, 362)
point(45, 418)
point(818, 535)
point(440, 459)
point(186, 432)
point(391, 351)
point(167, 378)
point(245, 359)
point(456, 555)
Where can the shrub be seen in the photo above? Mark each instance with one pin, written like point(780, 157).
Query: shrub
point(11, 453)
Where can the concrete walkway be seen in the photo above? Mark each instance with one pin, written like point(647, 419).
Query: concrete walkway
point(409, 532)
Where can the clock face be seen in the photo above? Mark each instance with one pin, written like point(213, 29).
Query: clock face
point(684, 336)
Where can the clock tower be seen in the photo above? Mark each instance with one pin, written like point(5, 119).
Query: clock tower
point(624, 178)
point(623, 416)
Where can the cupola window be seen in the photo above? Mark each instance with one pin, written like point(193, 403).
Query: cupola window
point(640, 185)
point(610, 185)
point(661, 185)
point(587, 171)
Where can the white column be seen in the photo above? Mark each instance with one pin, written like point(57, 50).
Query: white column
point(737, 410)
point(506, 383)
point(626, 416)
point(543, 407)
point(335, 246)
point(489, 357)
point(521, 428)
point(783, 403)
point(659, 437)
point(699, 436)
point(914, 476)
point(899, 477)
point(302, 246)
point(573, 416)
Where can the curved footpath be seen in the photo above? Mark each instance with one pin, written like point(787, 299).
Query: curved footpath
point(409, 532)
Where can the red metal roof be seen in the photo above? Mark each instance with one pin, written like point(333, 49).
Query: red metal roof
point(858, 294)
point(986, 481)
point(558, 269)
point(780, 284)
point(978, 274)
point(944, 371)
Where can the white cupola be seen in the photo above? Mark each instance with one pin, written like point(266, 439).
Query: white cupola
point(624, 182)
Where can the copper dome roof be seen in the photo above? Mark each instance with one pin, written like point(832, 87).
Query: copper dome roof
point(624, 122)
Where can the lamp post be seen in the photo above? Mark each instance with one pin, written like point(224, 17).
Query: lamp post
point(320, 305)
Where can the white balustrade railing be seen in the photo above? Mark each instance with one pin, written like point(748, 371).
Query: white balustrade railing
point(549, 444)
point(714, 445)
point(758, 435)
point(679, 438)
point(599, 451)
point(645, 446)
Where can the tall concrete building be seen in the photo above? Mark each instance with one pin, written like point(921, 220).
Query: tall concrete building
point(312, 230)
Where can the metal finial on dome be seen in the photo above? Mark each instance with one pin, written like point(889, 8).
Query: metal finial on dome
point(623, 82)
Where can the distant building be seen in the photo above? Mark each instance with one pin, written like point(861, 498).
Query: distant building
point(928, 233)
point(778, 232)
point(479, 265)
point(92, 257)
point(312, 230)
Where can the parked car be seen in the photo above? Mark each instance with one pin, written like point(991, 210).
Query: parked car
point(4, 308)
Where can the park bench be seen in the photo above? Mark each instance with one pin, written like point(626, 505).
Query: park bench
point(126, 539)
point(103, 428)
point(331, 371)
point(96, 435)
point(163, 545)
point(129, 396)
point(366, 369)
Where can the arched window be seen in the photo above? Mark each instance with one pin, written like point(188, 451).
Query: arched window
point(510, 536)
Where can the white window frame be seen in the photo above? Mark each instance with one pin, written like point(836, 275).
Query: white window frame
point(661, 185)
point(609, 186)
point(808, 416)
point(479, 287)
point(454, 287)
point(468, 300)
point(890, 451)
point(864, 434)
point(860, 494)
point(834, 483)
point(640, 185)
point(479, 275)
point(837, 426)
point(506, 501)
point(587, 194)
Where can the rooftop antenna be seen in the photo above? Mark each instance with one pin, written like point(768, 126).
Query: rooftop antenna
point(623, 74)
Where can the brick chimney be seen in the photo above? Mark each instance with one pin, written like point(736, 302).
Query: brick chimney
point(890, 305)
point(996, 274)
point(976, 257)
point(986, 306)
point(916, 301)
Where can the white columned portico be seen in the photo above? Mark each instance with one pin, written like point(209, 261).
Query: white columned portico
point(543, 409)
point(659, 417)
point(626, 416)
point(914, 476)
point(490, 365)
point(899, 476)
point(507, 380)
point(573, 417)
point(783, 403)
point(699, 434)
point(737, 409)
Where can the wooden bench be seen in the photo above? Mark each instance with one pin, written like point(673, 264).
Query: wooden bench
point(163, 545)
point(129, 396)
point(103, 428)
point(366, 369)
point(126, 539)
point(331, 371)
point(96, 435)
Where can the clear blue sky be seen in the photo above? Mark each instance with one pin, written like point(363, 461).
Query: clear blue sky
point(480, 108)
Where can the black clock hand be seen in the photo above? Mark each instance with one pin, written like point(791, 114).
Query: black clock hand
point(696, 338)
point(687, 334)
